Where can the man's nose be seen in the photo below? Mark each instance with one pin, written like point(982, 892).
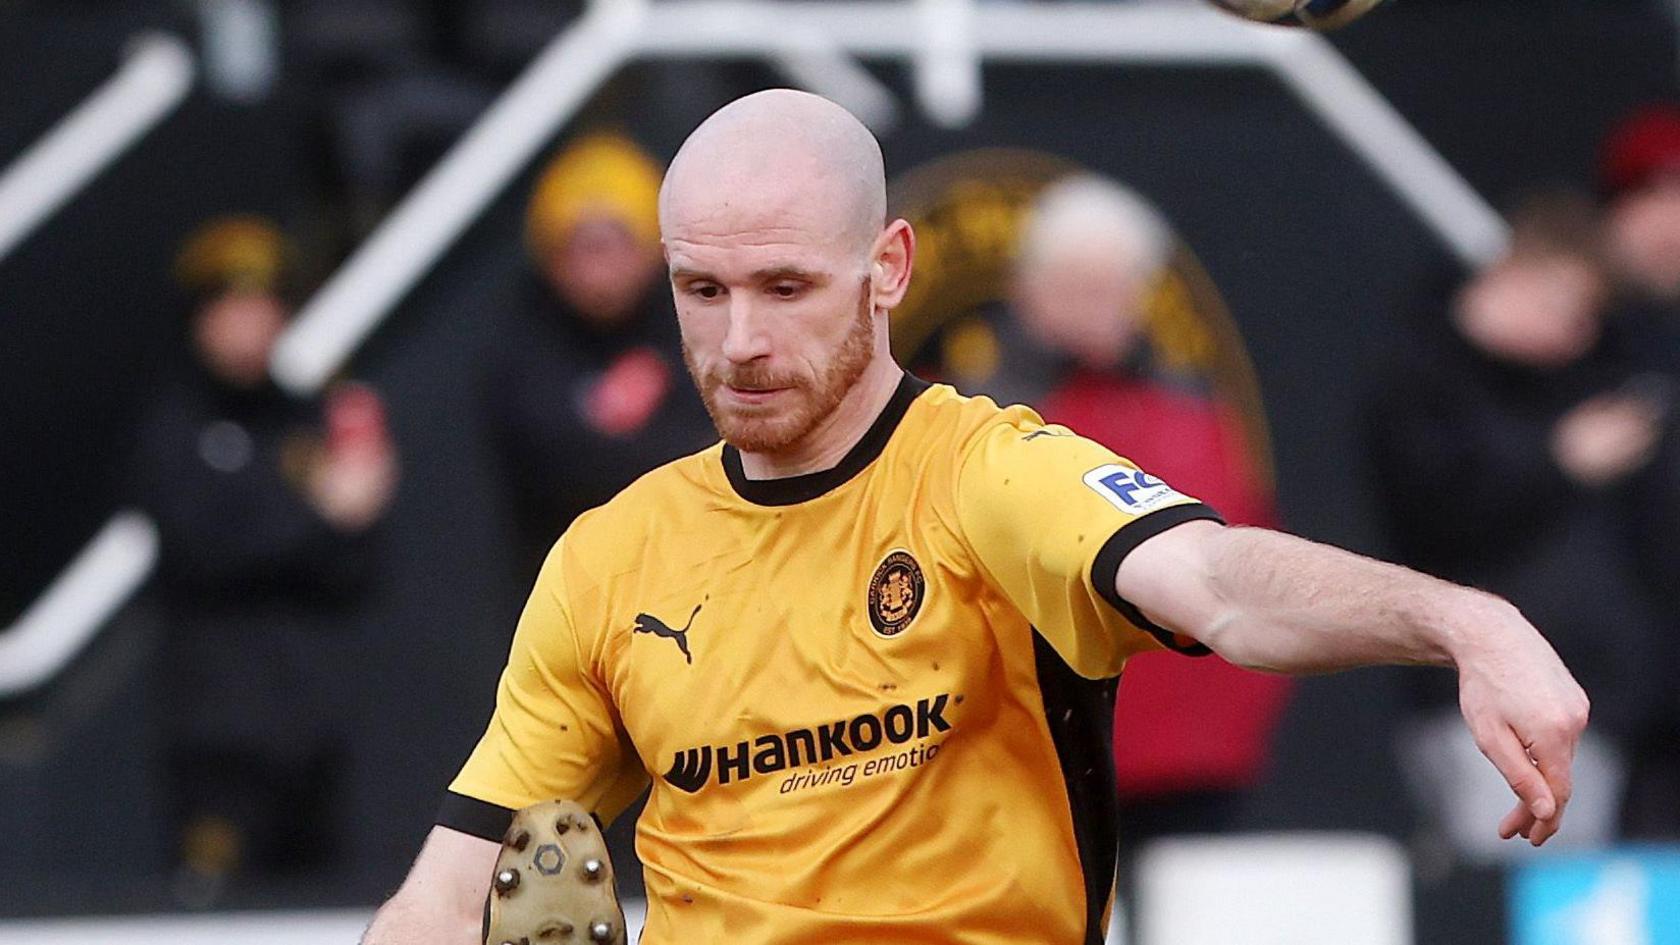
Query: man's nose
point(747, 337)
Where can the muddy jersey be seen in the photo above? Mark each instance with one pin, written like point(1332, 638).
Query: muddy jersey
point(873, 702)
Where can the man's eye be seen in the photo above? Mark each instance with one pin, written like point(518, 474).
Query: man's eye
point(707, 292)
point(785, 290)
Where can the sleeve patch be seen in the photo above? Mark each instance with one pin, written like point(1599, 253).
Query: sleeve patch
point(1132, 491)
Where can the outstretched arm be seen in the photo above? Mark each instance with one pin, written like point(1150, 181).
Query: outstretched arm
point(1270, 601)
point(442, 900)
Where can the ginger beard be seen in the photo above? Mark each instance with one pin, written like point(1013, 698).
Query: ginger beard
point(807, 402)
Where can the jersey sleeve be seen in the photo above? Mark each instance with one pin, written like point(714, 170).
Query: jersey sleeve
point(1050, 515)
point(554, 733)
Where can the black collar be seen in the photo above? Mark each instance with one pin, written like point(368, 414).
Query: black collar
point(792, 490)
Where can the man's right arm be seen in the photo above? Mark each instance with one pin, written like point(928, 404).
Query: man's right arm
point(442, 900)
point(554, 735)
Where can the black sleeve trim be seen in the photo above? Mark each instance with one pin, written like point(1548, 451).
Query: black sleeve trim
point(470, 815)
point(1121, 544)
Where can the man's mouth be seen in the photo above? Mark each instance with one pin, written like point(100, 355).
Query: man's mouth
point(752, 395)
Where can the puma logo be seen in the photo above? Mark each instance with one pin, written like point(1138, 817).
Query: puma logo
point(648, 623)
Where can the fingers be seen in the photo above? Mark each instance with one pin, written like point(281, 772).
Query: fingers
point(1554, 763)
point(1521, 822)
point(1544, 829)
point(1502, 747)
point(1553, 749)
point(1518, 822)
point(1541, 778)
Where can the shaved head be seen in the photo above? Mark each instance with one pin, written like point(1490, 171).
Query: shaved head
point(784, 267)
point(792, 155)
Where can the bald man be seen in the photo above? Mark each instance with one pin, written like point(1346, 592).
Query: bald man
point(864, 648)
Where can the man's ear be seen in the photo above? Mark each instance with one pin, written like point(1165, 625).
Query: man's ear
point(893, 259)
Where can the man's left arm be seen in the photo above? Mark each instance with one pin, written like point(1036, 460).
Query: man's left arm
point(1270, 601)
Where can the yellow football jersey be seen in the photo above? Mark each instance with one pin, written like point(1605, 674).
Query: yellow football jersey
point(874, 702)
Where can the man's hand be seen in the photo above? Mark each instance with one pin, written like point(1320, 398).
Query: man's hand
point(1265, 600)
point(442, 900)
point(1527, 715)
point(1607, 438)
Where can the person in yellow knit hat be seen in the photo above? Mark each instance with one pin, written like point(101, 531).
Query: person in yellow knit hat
point(585, 392)
point(264, 504)
point(592, 226)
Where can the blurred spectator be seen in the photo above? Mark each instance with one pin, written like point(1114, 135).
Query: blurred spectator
point(1641, 181)
point(262, 502)
point(1512, 457)
point(1190, 736)
point(1641, 177)
point(588, 391)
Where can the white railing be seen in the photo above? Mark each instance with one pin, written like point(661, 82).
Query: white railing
point(945, 40)
point(155, 76)
point(68, 615)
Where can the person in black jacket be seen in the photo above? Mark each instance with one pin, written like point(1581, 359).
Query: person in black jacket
point(587, 390)
point(1640, 180)
point(1514, 456)
point(262, 502)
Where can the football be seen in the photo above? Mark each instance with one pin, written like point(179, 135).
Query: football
point(1314, 14)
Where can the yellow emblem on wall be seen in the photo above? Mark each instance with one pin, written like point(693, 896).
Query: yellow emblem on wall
point(967, 210)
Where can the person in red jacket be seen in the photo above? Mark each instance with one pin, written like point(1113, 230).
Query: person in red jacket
point(1191, 737)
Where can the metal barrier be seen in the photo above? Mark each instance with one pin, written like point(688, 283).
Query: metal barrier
point(70, 613)
point(154, 78)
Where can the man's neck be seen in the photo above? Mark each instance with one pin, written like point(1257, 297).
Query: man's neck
point(835, 436)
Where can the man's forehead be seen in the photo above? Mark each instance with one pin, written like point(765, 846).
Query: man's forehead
point(751, 233)
point(751, 256)
point(733, 203)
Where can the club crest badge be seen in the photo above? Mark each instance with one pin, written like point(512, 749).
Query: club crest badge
point(895, 594)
